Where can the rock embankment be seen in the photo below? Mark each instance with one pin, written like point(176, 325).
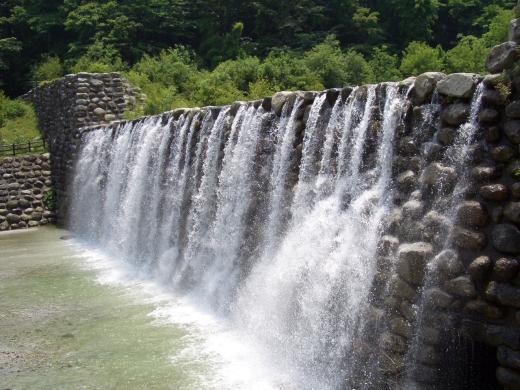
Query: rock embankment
point(25, 192)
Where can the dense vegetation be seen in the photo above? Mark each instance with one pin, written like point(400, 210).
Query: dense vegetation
point(200, 52)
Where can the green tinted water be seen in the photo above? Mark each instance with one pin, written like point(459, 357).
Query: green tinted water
point(59, 328)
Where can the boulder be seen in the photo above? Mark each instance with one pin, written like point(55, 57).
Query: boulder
point(279, 99)
point(505, 269)
point(406, 180)
point(447, 264)
point(437, 174)
point(472, 213)
point(412, 261)
point(512, 212)
point(483, 173)
point(506, 238)
point(484, 308)
point(401, 327)
point(502, 153)
point(446, 135)
point(469, 239)
point(435, 297)
point(512, 130)
point(425, 83)
point(458, 85)
point(461, 286)
point(455, 114)
point(501, 57)
point(508, 357)
point(413, 209)
point(494, 192)
point(488, 115)
point(13, 218)
point(513, 110)
point(504, 294)
point(99, 112)
point(514, 30)
point(492, 97)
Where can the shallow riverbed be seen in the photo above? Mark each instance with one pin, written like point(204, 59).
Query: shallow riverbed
point(61, 327)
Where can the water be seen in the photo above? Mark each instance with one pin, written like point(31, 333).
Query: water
point(265, 228)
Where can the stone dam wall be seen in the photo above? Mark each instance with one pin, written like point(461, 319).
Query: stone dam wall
point(469, 294)
point(25, 192)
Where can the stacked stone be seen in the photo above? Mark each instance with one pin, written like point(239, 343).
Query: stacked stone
point(24, 182)
point(68, 104)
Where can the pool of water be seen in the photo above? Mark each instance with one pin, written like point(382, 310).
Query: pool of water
point(71, 318)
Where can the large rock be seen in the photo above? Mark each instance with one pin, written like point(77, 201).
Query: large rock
point(514, 30)
point(412, 261)
point(279, 100)
point(502, 153)
point(425, 84)
point(484, 308)
point(480, 268)
point(472, 213)
point(512, 130)
point(461, 286)
point(455, 114)
point(504, 294)
point(508, 357)
point(502, 57)
point(458, 85)
point(494, 192)
point(512, 212)
point(469, 239)
point(435, 297)
point(437, 174)
point(513, 110)
point(13, 218)
point(447, 264)
point(505, 269)
point(506, 238)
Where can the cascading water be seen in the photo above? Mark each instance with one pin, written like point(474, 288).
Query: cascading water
point(178, 197)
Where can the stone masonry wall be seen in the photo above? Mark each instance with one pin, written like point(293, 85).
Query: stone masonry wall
point(70, 103)
point(25, 182)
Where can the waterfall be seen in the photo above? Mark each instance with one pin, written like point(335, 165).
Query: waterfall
point(271, 221)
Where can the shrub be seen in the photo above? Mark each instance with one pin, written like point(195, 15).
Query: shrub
point(418, 58)
point(49, 69)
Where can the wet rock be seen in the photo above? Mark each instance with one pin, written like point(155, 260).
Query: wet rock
point(488, 115)
point(392, 342)
point(502, 153)
point(506, 238)
point(484, 308)
point(455, 114)
point(427, 355)
point(484, 174)
point(406, 180)
point(266, 104)
point(472, 213)
point(407, 310)
point(391, 363)
point(278, 100)
point(425, 83)
point(510, 379)
point(430, 335)
point(501, 57)
point(446, 135)
point(407, 146)
point(412, 261)
point(504, 294)
point(492, 134)
point(461, 286)
point(494, 192)
point(401, 327)
point(492, 97)
point(505, 269)
point(458, 85)
point(436, 297)
point(513, 110)
point(515, 190)
point(413, 209)
point(402, 289)
point(469, 239)
point(448, 265)
point(388, 244)
point(13, 218)
point(437, 174)
point(512, 130)
point(512, 212)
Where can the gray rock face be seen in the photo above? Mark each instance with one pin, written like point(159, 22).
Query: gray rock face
point(513, 110)
point(437, 174)
point(512, 130)
point(512, 212)
point(472, 213)
point(412, 261)
point(461, 286)
point(279, 100)
point(469, 239)
point(504, 294)
point(494, 192)
point(501, 57)
point(455, 114)
point(506, 238)
point(425, 84)
point(458, 85)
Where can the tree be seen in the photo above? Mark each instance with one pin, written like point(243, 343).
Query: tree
point(468, 56)
point(418, 58)
point(384, 65)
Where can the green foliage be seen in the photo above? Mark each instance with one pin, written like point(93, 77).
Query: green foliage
point(99, 58)
point(384, 65)
point(358, 69)
point(328, 62)
point(498, 28)
point(418, 58)
point(49, 69)
point(468, 56)
point(17, 121)
point(49, 199)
